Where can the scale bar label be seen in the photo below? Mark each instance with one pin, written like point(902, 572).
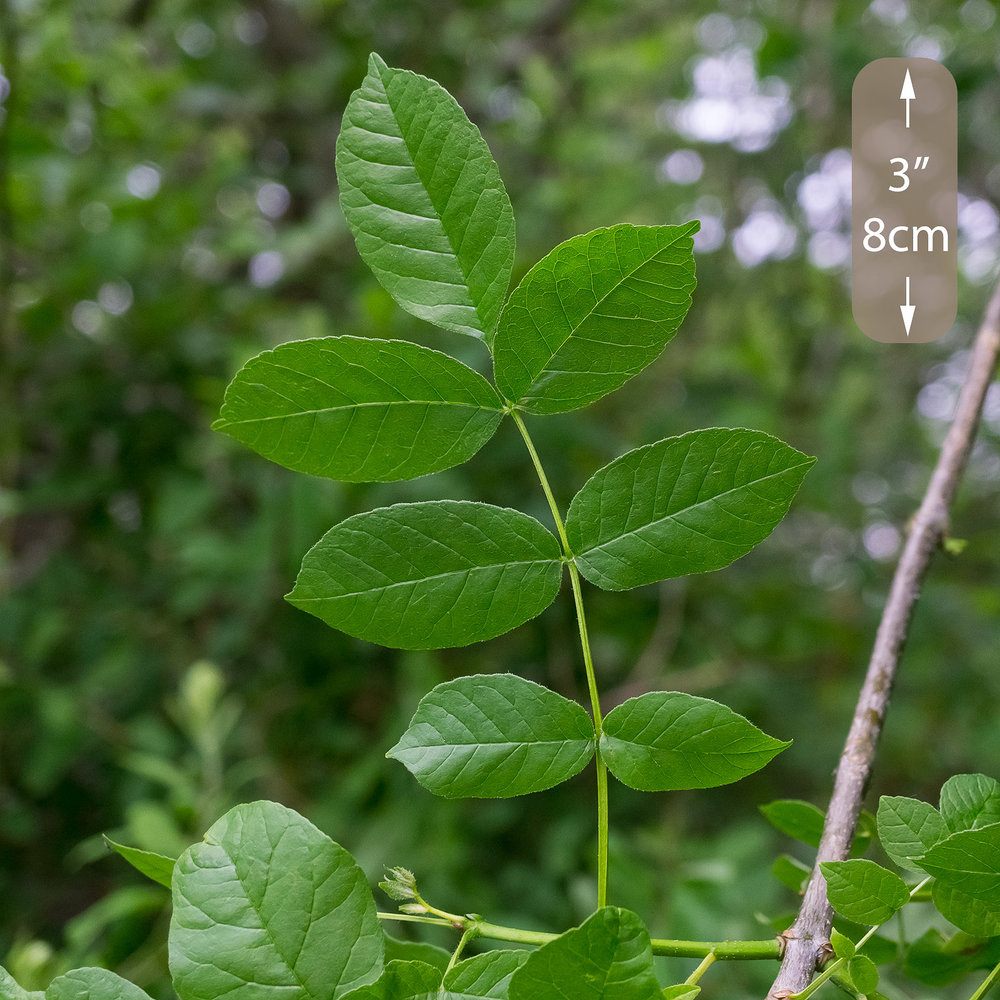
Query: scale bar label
point(904, 207)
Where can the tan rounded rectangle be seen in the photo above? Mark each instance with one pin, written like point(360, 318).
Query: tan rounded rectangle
point(904, 200)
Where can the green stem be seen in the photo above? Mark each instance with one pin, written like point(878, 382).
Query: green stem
point(988, 983)
point(701, 970)
point(730, 951)
point(470, 932)
point(588, 663)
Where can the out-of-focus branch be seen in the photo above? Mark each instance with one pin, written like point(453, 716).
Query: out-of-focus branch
point(807, 941)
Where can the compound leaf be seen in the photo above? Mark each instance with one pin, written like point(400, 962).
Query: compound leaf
point(666, 740)
point(493, 736)
point(430, 575)
point(360, 410)
point(970, 801)
point(969, 862)
point(908, 828)
point(863, 891)
point(608, 957)
point(593, 313)
point(93, 984)
point(683, 505)
point(424, 200)
point(266, 907)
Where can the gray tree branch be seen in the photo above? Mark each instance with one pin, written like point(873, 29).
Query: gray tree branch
point(807, 940)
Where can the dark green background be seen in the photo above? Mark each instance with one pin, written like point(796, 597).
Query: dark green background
point(137, 543)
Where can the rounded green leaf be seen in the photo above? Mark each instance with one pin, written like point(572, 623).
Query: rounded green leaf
point(974, 916)
point(493, 736)
point(683, 505)
point(430, 575)
point(424, 200)
point(266, 907)
point(968, 861)
point(908, 828)
point(593, 313)
point(402, 980)
point(360, 410)
point(666, 740)
point(970, 801)
point(483, 977)
point(863, 891)
point(93, 984)
point(795, 818)
point(863, 973)
point(608, 957)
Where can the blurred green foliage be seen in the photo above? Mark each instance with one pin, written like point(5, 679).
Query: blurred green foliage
point(168, 209)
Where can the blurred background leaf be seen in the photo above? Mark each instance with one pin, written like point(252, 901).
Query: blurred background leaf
point(168, 208)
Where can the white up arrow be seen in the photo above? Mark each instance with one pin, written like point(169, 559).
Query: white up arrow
point(907, 310)
point(907, 94)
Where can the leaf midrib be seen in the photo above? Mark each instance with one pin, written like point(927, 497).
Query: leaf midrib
point(358, 406)
point(673, 515)
point(574, 329)
point(426, 579)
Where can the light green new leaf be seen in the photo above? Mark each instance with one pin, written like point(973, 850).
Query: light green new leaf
point(863, 891)
point(970, 801)
point(360, 410)
point(970, 914)
point(158, 867)
point(93, 984)
point(430, 575)
point(269, 908)
point(908, 828)
point(666, 740)
point(968, 861)
point(494, 736)
point(608, 957)
point(683, 991)
point(593, 313)
point(424, 200)
point(687, 504)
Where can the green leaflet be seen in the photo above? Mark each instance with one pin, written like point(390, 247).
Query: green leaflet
point(493, 736)
point(360, 410)
point(484, 977)
point(968, 862)
point(935, 961)
point(863, 973)
point(268, 906)
point(863, 891)
point(907, 829)
point(416, 951)
point(969, 801)
point(791, 872)
point(795, 818)
point(683, 505)
point(158, 867)
point(608, 957)
point(402, 981)
point(424, 200)
point(666, 740)
point(93, 984)
point(593, 313)
point(430, 575)
point(973, 915)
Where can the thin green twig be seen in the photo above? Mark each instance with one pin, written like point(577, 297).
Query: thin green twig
point(987, 984)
